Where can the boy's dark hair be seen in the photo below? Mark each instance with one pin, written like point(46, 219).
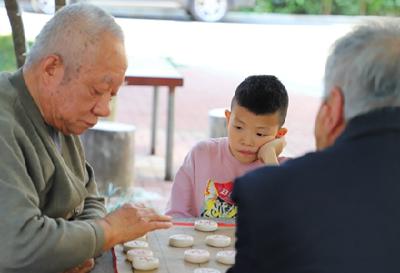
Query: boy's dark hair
point(262, 94)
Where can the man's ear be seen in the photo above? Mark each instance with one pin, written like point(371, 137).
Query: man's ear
point(52, 69)
point(335, 112)
point(330, 122)
point(281, 132)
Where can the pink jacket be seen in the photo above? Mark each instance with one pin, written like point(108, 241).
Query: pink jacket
point(208, 160)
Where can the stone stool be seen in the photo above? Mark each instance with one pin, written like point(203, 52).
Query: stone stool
point(109, 149)
point(217, 123)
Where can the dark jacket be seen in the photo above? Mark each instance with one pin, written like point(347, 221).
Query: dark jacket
point(333, 211)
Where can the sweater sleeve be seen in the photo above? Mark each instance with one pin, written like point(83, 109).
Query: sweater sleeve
point(32, 241)
point(181, 202)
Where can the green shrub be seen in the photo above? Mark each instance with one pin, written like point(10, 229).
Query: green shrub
point(343, 7)
point(7, 56)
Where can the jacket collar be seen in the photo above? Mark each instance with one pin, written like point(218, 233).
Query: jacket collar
point(28, 103)
point(18, 81)
point(384, 119)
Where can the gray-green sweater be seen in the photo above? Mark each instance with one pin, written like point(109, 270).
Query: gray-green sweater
point(48, 198)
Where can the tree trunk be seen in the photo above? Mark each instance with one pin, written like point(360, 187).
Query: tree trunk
point(18, 32)
point(59, 4)
point(363, 7)
point(327, 6)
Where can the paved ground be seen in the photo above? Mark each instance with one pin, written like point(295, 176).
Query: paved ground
point(202, 91)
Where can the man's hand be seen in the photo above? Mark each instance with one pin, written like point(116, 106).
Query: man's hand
point(130, 222)
point(270, 151)
point(87, 266)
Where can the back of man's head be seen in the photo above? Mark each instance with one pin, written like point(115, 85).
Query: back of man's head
point(262, 94)
point(73, 33)
point(365, 65)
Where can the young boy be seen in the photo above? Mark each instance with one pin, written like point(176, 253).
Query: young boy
point(203, 184)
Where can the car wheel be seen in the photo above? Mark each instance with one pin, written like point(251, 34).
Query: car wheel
point(208, 10)
point(43, 6)
point(48, 6)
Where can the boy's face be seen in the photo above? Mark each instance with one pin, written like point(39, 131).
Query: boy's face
point(247, 132)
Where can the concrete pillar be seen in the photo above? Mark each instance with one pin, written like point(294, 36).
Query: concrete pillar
point(109, 149)
point(217, 123)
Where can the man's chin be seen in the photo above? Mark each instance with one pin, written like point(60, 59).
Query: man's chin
point(75, 130)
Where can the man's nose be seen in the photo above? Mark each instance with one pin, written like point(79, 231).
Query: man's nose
point(102, 107)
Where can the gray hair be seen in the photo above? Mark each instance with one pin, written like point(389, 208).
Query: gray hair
point(365, 64)
point(71, 32)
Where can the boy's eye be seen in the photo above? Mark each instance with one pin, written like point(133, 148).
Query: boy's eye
point(238, 127)
point(261, 135)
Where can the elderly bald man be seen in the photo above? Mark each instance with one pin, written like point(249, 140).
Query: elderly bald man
point(53, 219)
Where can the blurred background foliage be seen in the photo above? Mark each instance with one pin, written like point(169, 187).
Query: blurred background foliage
point(335, 7)
point(7, 57)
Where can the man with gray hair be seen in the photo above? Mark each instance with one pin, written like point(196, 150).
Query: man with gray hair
point(337, 209)
point(52, 218)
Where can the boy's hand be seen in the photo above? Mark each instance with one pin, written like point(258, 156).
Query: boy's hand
point(269, 152)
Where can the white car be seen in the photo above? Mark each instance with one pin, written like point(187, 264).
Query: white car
point(202, 10)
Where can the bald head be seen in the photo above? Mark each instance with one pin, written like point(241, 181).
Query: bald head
point(74, 34)
point(365, 65)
